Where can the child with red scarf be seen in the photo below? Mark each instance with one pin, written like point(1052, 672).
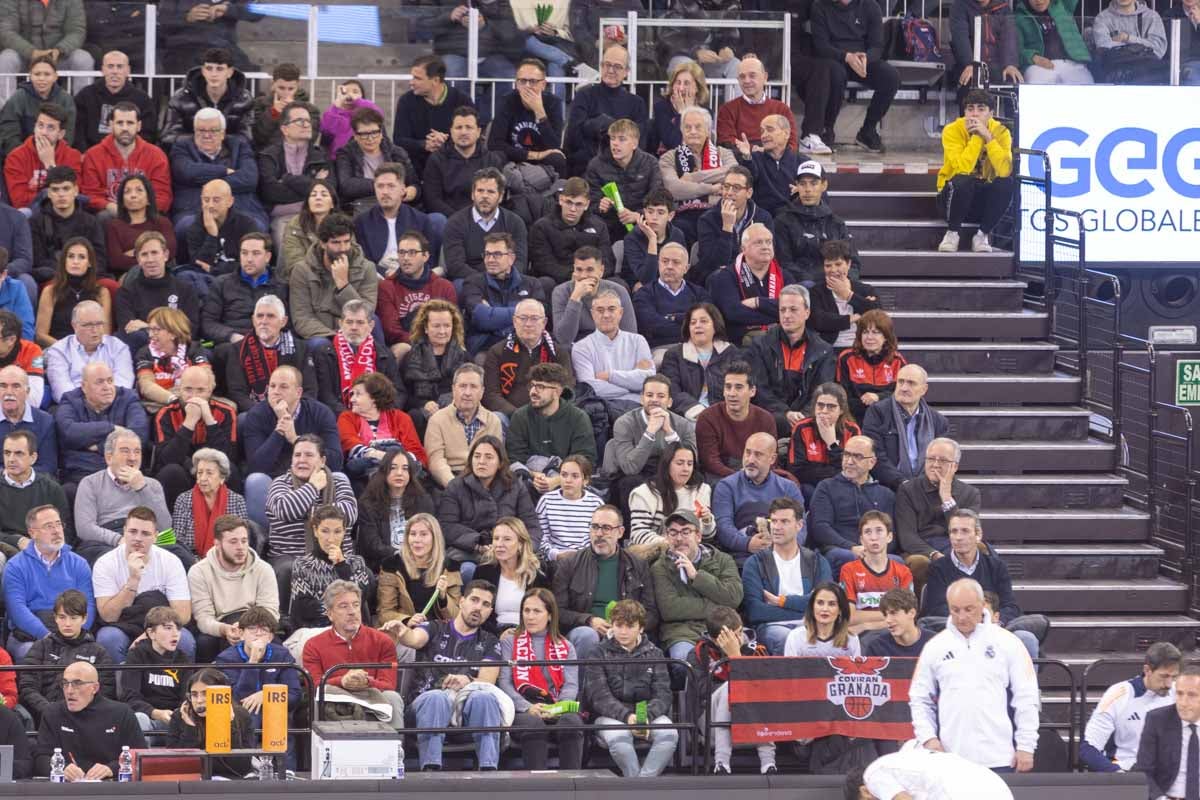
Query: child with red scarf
point(535, 689)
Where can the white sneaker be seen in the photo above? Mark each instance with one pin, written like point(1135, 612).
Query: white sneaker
point(589, 74)
point(813, 144)
point(949, 243)
point(980, 243)
point(721, 769)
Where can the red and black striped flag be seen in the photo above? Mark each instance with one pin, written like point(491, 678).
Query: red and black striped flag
point(777, 699)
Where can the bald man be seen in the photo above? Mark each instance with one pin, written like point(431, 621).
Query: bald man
point(897, 422)
point(742, 499)
point(839, 502)
point(743, 116)
point(94, 103)
point(597, 106)
point(194, 420)
point(214, 236)
point(20, 415)
point(88, 727)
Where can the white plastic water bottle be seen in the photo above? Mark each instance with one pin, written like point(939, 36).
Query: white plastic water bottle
point(266, 768)
point(58, 767)
point(125, 765)
point(400, 760)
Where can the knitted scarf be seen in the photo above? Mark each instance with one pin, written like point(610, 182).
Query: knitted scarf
point(168, 367)
point(747, 280)
point(351, 364)
point(204, 517)
point(510, 356)
point(989, 12)
point(260, 361)
point(525, 676)
point(686, 160)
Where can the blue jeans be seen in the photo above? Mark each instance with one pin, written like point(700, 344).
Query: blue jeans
point(17, 649)
point(585, 640)
point(772, 636)
point(489, 67)
point(620, 747)
point(432, 710)
point(116, 642)
point(257, 484)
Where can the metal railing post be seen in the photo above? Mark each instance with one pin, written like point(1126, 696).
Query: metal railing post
point(313, 43)
point(473, 52)
point(150, 51)
point(631, 41)
point(1176, 60)
point(786, 72)
point(1152, 441)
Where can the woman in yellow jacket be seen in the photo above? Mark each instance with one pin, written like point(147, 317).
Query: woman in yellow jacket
point(975, 182)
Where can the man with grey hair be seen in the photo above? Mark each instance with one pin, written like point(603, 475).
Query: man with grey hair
point(194, 420)
point(975, 691)
point(67, 357)
point(772, 166)
point(450, 431)
point(742, 115)
point(268, 345)
point(348, 641)
point(17, 413)
point(662, 305)
point(209, 154)
point(354, 351)
point(926, 503)
point(789, 362)
point(104, 498)
point(87, 415)
point(614, 362)
point(748, 289)
point(903, 426)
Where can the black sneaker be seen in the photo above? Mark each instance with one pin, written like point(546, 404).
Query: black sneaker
point(868, 137)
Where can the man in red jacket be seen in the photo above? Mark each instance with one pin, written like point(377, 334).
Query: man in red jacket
point(348, 641)
point(407, 289)
point(123, 152)
point(26, 167)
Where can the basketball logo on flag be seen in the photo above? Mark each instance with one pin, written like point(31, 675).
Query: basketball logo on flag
point(858, 687)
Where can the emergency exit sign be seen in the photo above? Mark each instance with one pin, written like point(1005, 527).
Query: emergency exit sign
point(1187, 382)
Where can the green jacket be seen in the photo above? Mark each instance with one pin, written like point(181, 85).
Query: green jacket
point(27, 25)
point(683, 608)
point(566, 432)
point(1029, 32)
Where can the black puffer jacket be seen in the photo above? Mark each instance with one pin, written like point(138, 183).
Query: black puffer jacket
point(447, 184)
point(468, 512)
point(349, 169)
point(552, 244)
point(277, 187)
point(426, 380)
point(37, 690)
point(781, 390)
point(236, 105)
point(614, 691)
point(264, 125)
point(799, 233)
point(229, 305)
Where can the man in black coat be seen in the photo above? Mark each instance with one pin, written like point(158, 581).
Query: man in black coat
point(94, 103)
point(216, 83)
point(464, 233)
point(60, 216)
point(228, 312)
point(1162, 755)
point(424, 114)
point(450, 169)
point(278, 187)
point(888, 421)
point(596, 107)
point(554, 238)
point(355, 327)
point(803, 225)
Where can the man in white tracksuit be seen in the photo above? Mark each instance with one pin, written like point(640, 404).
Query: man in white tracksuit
point(959, 692)
point(915, 773)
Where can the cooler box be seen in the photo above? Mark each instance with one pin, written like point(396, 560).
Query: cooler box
point(354, 749)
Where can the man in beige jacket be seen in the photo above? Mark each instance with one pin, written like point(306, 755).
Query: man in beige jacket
point(450, 431)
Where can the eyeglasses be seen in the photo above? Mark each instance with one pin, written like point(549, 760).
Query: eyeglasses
point(679, 533)
point(409, 253)
point(303, 123)
point(605, 529)
point(51, 526)
point(208, 131)
point(530, 81)
point(528, 319)
point(544, 387)
point(494, 253)
point(733, 187)
point(938, 460)
point(613, 65)
point(66, 684)
point(575, 203)
point(827, 406)
point(856, 457)
point(368, 134)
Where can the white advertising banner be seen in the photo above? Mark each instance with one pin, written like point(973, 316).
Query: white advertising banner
point(1125, 157)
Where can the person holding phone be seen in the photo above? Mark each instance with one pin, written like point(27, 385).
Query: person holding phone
point(188, 726)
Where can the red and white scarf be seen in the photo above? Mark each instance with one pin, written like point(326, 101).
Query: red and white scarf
point(351, 364)
point(747, 279)
point(168, 368)
point(525, 675)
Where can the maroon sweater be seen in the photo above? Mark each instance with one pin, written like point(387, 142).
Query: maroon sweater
point(720, 440)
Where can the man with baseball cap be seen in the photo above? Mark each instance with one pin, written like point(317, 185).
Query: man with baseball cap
point(690, 580)
point(807, 222)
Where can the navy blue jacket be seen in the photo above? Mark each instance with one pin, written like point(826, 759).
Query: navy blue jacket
point(636, 265)
point(837, 505)
point(489, 305)
point(191, 169)
point(371, 229)
point(660, 313)
point(989, 571)
point(718, 248)
point(16, 239)
point(267, 451)
point(593, 109)
point(772, 179)
point(42, 426)
point(79, 428)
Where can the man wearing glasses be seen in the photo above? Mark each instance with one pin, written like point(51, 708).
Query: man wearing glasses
point(508, 366)
point(720, 228)
point(528, 127)
point(490, 298)
point(926, 504)
point(596, 107)
point(586, 582)
point(206, 155)
point(839, 502)
point(287, 169)
point(45, 567)
point(89, 343)
point(89, 728)
point(407, 289)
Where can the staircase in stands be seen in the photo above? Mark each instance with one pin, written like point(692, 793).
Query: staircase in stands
point(1053, 505)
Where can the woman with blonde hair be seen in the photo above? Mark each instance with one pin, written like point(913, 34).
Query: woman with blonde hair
point(438, 349)
point(511, 564)
point(160, 364)
point(418, 573)
point(686, 86)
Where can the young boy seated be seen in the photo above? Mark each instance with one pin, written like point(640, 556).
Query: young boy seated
point(615, 692)
point(154, 694)
point(725, 638)
point(804, 224)
point(634, 171)
point(642, 245)
point(67, 643)
point(975, 182)
point(870, 576)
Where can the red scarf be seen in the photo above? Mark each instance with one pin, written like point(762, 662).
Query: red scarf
point(524, 675)
point(258, 362)
point(383, 430)
point(352, 364)
point(204, 517)
point(748, 280)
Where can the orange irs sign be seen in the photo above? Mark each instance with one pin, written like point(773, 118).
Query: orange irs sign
point(274, 717)
point(218, 737)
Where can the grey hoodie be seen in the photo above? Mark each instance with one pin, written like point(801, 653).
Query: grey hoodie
point(1143, 24)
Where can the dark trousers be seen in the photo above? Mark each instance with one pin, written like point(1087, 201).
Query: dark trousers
point(966, 198)
point(534, 735)
point(882, 78)
point(814, 79)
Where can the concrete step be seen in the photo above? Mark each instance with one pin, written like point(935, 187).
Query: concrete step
point(1122, 635)
point(950, 295)
point(1055, 388)
point(977, 357)
point(849, 204)
point(1037, 456)
point(879, 182)
point(1003, 325)
point(889, 233)
point(1158, 595)
point(929, 263)
point(1079, 561)
point(1018, 422)
point(1065, 525)
point(1058, 491)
